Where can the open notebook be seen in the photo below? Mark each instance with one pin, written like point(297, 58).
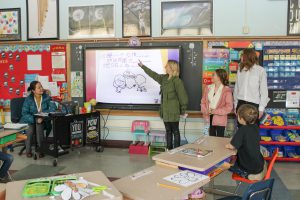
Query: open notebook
point(15, 126)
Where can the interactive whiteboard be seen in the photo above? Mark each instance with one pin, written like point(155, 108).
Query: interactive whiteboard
point(113, 76)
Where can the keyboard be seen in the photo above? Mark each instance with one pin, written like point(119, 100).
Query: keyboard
point(15, 126)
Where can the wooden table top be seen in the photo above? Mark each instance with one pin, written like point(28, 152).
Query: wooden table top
point(146, 187)
point(14, 189)
point(217, 144)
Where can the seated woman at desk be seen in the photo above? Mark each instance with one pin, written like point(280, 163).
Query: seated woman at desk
point(217, 103)
point(36, 102)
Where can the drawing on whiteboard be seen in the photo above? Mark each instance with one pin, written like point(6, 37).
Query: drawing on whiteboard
point(129, 80)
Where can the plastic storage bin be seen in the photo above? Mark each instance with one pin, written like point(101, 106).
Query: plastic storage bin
point(292, 152)
point(271, 149)
point(8, 138)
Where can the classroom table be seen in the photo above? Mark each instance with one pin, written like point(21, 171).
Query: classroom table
point(14, 189)
point(219, 154)
point(2, 191)
point(145, 187)
point(20, 137)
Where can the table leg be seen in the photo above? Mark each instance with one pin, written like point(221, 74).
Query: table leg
point(212, 190)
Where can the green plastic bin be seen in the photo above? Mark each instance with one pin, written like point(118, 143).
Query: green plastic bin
point(8, 138)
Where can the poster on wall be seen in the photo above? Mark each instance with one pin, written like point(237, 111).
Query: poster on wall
point(42, 19)
point(214, 59)
point(279, 96)
point(186, 18)
point(293, 17)
point(76, 128)
point(10, 24)
point(92, 130)
point(91, 21)
point(292, 99)
point(77, 84)
point(136, 18)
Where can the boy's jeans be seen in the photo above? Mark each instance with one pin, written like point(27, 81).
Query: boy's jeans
point(7, 160)
point(237, 170)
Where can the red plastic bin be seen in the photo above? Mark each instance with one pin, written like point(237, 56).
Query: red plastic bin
point(139, 148)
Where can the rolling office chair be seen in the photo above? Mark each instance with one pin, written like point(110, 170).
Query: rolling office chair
point(16, 106)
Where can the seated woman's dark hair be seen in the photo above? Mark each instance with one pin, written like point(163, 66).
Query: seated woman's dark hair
point(32, 86)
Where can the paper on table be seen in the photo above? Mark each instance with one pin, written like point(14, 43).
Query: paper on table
point(58, 77)
point(34, 62)
point(186, 178)
point(58, 60)
point(53, 89)
point(292, 99)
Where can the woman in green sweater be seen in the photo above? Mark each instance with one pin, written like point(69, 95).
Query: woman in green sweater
point(174, 100)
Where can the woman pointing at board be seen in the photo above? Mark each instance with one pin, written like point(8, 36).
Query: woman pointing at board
point(174, 100)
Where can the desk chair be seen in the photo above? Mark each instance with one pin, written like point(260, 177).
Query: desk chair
point(16, 106)
point(267, 176)
point(261, 190)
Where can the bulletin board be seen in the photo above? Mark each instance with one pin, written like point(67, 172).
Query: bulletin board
point(20, 64)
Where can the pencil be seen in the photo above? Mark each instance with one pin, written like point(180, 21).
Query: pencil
point(168, 186)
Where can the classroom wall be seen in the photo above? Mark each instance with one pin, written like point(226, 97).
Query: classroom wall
point(264, 17)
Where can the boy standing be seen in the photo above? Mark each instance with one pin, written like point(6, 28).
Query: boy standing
point(250, 162)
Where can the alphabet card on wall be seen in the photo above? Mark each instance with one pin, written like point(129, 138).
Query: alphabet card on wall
point(186, 178)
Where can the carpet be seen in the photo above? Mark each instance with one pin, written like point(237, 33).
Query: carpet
point(36, 171)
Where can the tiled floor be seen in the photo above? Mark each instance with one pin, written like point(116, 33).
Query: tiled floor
point(118, 163)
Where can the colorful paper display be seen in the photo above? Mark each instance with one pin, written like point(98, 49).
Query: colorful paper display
point(214, 59)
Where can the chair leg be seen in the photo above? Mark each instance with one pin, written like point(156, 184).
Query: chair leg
point(237, 187)
point(22, 150)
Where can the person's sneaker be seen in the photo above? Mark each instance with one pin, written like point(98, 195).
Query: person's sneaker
point(60, 149)
point(51, 147)
point(4, 179)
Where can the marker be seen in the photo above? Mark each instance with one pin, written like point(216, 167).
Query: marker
point(168, 186)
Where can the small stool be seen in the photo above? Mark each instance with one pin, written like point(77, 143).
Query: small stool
point(140, 128)
point(158, 141)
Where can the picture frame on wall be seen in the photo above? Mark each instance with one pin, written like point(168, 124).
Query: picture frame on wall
point(186, 18)
point(95, 21)
point(42, 19)
point(10, 24)
point(136, 18)
point(293, 23)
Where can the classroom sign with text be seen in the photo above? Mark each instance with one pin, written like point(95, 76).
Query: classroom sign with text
point(92, 130)
point(76, 133)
